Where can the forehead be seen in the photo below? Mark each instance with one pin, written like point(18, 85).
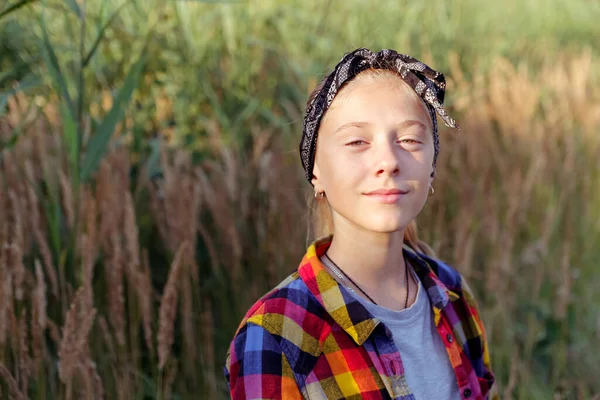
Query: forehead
point(377, 96)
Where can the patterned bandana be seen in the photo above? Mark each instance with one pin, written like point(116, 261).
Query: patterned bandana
point(430, 85)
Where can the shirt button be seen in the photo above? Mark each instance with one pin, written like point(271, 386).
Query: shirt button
point(467, 393)
point(449, 338)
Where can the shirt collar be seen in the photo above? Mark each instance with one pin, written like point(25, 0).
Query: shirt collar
point(352, 316)
point(426, 269)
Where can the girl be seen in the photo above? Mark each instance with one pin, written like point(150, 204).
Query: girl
point(369, 313)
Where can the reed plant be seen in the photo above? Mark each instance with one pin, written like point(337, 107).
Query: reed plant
point(150, 187)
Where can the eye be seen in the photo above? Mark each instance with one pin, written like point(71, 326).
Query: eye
point(409, 141)
point(356, 143)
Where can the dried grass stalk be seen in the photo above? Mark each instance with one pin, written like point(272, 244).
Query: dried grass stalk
point(144, 283)
point(157, 205)
point(114, 280)
point(106, 203)
point(13, 327)
point(168, 308)
point(74, 347)
point(67, 198)
point(74, 343)
point(138, 273)
point(9, 170)
point(13, 387)
point(169, 378)
point(91, 220)
point(106, 335)
point(67, 352)
point(89, 247)
point(93, 382)
point(131, 233)
point(14, 183)
point(189, 219)
point(4, 210)
point(16, 218)
point(15, 263)
point(187, 322)
point(172, 194)
point(85, 326)
point(176, 204)
point(6, 296)
point(54, 332)
point(216, 198)
point(24, 356)
point(38, 318)
point(40, 238)
point(209, 345)
point(87, 276)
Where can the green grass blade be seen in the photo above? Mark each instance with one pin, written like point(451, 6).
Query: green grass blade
point(51, 205)
point(216, 104)
point(75, 8)
point(98, 144)
point(14, 7)
point(54, 67)
point(70, 136)
point(101, 35)
point(152, 165)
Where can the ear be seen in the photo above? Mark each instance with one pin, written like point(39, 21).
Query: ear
point(315, 180)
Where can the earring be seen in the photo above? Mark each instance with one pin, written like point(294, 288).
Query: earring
point(319, 195)
point(431, 190)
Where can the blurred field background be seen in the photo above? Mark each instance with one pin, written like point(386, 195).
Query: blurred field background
point(151, 188)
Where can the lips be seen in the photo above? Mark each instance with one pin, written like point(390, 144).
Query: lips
point(386, 192)
point(386, 196)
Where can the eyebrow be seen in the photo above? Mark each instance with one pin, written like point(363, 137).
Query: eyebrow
point(357, 124)
point(361, 124)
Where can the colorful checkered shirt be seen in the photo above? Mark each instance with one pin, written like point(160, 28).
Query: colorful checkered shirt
point(309, 339)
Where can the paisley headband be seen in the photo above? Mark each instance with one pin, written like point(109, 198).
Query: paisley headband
point(430, 85)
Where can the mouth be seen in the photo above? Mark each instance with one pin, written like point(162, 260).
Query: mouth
point(386, 196)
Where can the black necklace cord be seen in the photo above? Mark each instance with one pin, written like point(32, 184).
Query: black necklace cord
point(338, 271)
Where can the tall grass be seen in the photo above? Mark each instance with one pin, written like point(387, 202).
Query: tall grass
point(133, 239)
point(515, 210)
point(518, 212)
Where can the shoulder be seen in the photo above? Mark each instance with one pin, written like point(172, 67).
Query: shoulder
point(289, 315)
point(261, 362)
point(291, 301)
point(453, 280)
point(447, 274)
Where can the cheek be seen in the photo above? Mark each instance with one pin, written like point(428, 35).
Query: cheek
point(418, 166)
point(339, 170)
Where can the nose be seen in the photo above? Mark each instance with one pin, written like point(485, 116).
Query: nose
point(386, 158)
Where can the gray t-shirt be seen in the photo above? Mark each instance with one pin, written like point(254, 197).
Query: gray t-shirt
point(427, 368)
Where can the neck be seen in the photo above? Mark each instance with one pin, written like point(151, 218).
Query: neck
point(373, 260)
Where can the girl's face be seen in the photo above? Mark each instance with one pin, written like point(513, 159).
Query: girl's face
point(374, 154)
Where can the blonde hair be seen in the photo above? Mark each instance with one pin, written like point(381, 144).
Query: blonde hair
point(320, 219)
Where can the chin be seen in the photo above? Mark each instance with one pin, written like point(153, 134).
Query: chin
point(386, 224)
point(385, 229)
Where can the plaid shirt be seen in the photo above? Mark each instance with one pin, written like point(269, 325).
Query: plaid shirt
point(308, 338)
